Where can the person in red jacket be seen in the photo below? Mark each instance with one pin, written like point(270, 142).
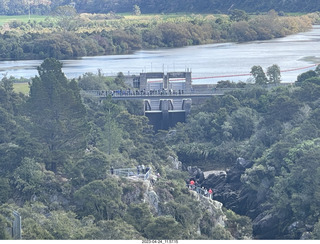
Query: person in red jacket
point(210, 193)
point(191, 185)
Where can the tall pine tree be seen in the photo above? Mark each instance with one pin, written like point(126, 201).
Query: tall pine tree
point(57, 113)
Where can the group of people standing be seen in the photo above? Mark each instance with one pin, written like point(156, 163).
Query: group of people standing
point(130, 92)
point(141, 169)
point(193, 185)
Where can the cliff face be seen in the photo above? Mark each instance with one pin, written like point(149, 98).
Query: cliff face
point(230, 190)
point(209, 219)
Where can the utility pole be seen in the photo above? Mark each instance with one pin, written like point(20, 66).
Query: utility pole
point(109, 133)
point(29, 10)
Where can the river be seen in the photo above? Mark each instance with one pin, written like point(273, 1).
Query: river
point(220, 61)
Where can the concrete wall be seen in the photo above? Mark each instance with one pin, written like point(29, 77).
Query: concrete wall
point(167, 116)
point(144, 77)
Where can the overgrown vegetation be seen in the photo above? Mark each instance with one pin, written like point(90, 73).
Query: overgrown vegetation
point(56, 152)
point(279, 131)
point(57, 148)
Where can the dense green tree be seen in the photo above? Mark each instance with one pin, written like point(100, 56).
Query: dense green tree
point(314, 80)
point(115, 230)
point(310, 89)
point(139, 216)
point(64, 225)
point(198, 127)
point(211, 230)
point(4, 235)
point(283, 108)
point(5, 190)
point(274, 74)
point(242, 123)
point(11, 156)
point(41, 223)
point(238, 15)
point(89, 81)
point(297, 189)
point(29, 178)
point(164, 227)
point(15, 143)
point(92, 166)
point(10, 101)
point(317, 70)
point(111, 132)
point(306, 75)
point(33, 230)
point(7, 126)
point(188, 215)
point(259, 75)
point(33, 219)
point(239, 226)
point(66, 15)
point(102, 199)
point(230, 103)
point(242, 32)
point(57, 113)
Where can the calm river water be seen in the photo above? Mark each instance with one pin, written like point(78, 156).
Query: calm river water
point(228, 59)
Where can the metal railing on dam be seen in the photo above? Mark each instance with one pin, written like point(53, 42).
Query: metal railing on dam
point(194, 93)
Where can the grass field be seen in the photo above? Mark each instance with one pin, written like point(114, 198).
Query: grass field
point(21, 87)
point(23, 18)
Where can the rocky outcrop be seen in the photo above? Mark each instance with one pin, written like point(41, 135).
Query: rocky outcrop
point(265, 226)
point(196, 174)
point(214, 208)
point(229, 190)
point(136, 190)
point(176, 164)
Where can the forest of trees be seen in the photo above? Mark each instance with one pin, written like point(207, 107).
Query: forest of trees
point(13, 7)
point(56, 156)
point(68, 35)
point(279, 131)
point(56, 153)
point(57, 147)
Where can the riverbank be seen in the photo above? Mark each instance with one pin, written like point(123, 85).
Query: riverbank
point(211, 60)
point(76, 36)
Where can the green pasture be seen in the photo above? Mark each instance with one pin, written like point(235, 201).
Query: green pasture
point(23, 18)
point(21, 87)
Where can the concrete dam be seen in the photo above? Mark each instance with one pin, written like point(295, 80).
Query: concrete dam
point(166, 113)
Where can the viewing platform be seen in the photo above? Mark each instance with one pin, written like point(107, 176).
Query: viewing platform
point(132, 172)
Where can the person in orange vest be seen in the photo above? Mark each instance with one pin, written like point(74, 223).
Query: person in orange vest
point(210, 193)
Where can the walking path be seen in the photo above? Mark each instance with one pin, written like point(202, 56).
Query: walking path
point(200, 190)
